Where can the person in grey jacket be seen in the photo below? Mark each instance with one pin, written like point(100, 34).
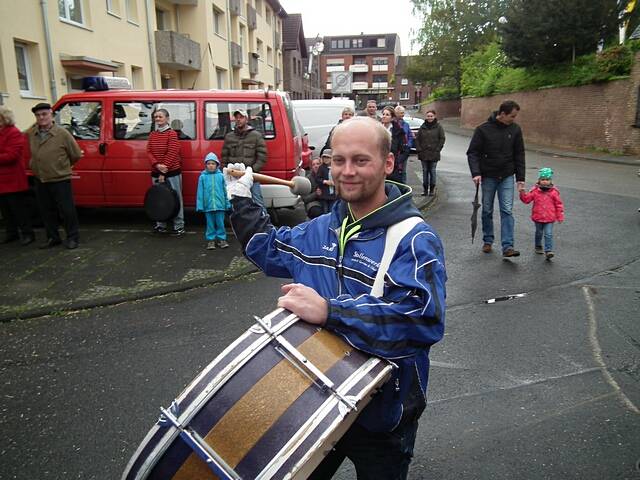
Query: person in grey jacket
point(429, 142)
point(246, 145)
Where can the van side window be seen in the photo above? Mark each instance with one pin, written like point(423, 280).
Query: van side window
point(219, 121)
point(134, 120)
point(81, 119)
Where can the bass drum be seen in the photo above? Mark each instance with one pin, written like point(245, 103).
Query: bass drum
point(271, 406)
point(161, 202)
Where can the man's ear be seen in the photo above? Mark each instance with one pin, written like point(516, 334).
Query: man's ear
point(389, 163)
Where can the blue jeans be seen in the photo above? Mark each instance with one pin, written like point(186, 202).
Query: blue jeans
point(256, 195)
point(215, 226)
point(505, 189)
point(403, 158)
point(176, 184)
point(545, 229)
point(428, 175)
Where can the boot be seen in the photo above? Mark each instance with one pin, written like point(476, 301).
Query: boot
point(432, 190)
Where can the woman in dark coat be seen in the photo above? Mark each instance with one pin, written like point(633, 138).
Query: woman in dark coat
point(398, 141)
point(13, 181)
point(313, 200)
point(429, 143)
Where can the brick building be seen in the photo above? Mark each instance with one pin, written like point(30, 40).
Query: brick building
point(371, 59)
point(407, 93)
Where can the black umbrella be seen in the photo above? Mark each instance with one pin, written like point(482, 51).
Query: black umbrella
point(474, 215)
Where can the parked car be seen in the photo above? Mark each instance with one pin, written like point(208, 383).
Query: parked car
point(414, 125)
point(112, 128)
point(318, 117)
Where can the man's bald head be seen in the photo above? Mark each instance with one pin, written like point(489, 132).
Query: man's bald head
point(367, 126)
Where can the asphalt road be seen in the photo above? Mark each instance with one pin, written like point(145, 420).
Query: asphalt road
point(544, 386)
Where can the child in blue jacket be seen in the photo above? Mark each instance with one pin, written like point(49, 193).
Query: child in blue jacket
point(211, 198)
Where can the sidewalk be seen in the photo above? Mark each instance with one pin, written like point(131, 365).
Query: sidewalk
point(452, 125)
point(118, 260)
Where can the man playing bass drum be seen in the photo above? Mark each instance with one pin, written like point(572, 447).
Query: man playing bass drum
point(333, 260)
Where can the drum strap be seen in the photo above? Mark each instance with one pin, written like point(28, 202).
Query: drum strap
point(395, 234)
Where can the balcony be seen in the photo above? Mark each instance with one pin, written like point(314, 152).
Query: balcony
point(176, 51)
point(253, 63)
point(236, 55)
point(235, 7)
point(335, 68)
point(359, 68)
point(380, 68)
point(252, 18)
point(380, 85)
point(360, 85)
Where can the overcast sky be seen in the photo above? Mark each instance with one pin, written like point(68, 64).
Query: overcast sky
point(347, 17)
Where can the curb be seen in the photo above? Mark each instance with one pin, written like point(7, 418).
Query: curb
point(551, 151)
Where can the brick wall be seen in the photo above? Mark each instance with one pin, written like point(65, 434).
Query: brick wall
point(443, 108)
point(592, 116)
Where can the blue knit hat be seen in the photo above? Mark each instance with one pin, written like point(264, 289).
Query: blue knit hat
point(211, 157)
point(545, 173)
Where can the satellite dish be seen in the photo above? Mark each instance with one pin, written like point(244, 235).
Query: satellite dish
point(317, 48)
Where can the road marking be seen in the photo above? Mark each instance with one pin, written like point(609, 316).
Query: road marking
point(597, 351)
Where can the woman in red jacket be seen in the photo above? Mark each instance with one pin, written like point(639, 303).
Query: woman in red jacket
point(13, 181)
point(547, 209)
point(163, 151)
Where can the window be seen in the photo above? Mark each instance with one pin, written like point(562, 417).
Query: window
point(81, 119)
point(23, 63)
point(241, 38)
point(218, 21)
point(113, 7)
point(404, 81)
point(356, 43)
point(360, 61)
point(259, 7)
point(340, 43)
point(260, 48)
point(132, 10)
point(332, 62)
point(70, 10)
point(161, 19)
point(380, 61)
point(219, 121)
point(269, 56)
point(382, 43)
point(293, 61)
point(404, 95)
point(220, 76)
point(134, 120)
point(379, 78)
point(136, 78)
point(267, 15)
point(334, 44)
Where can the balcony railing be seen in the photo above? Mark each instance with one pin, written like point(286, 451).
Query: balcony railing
point(380, 68)
point(253, 63)
point(236, 55)
point(176, 51)
point(380, 85)
point(359, 67)
point(235, 7)
point(335, 68)
point(360, 85)
point(252, 18)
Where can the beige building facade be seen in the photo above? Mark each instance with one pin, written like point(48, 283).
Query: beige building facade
point(47, 47)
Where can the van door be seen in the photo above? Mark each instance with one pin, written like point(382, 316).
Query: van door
point(83, 119)
point(127, 168)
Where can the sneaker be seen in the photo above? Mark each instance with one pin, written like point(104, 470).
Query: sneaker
point(510, 252)
point(486, 248)
point(178, 232)
point(539, 250)
point(159, 230)
point(549, 255)
point(211, 245)
point(223, 244)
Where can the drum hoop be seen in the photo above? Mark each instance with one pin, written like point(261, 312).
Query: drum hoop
point(216, 384)
point(322, 412)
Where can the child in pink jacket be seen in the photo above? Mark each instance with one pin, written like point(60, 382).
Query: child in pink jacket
point(547, 209)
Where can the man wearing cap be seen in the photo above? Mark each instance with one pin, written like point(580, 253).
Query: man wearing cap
point(53, 152)
point(244, 144)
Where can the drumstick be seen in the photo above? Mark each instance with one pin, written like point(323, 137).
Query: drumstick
point(298, 185)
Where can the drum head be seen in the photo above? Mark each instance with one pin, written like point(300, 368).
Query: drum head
point(161, 202)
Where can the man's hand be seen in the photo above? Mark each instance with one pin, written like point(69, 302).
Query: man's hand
point(239, 187)
point(162, 168)
point(520, 186)
point(477, 179)
point(304, 302)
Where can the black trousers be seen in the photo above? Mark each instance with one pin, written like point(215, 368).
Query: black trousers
point(16, 214)
point(56, 198)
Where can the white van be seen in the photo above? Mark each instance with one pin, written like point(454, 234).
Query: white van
point(318, 117)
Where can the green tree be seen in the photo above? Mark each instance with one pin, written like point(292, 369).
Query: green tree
point(451, 30)
point(543, 32)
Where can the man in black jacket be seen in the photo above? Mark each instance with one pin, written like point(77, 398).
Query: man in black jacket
point(495, 155)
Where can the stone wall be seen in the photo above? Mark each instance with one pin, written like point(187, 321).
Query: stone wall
point(600, 116)
point(443, 108)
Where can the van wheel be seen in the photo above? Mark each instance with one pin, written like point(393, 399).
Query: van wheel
point(275, 217)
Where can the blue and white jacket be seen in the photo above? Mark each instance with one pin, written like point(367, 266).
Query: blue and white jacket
point(339, 258)
point(212, 192)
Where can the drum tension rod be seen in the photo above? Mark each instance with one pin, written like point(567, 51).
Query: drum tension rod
point(302, 363)
point(198, 444)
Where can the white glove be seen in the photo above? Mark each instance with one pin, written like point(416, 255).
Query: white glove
point(238, 187)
